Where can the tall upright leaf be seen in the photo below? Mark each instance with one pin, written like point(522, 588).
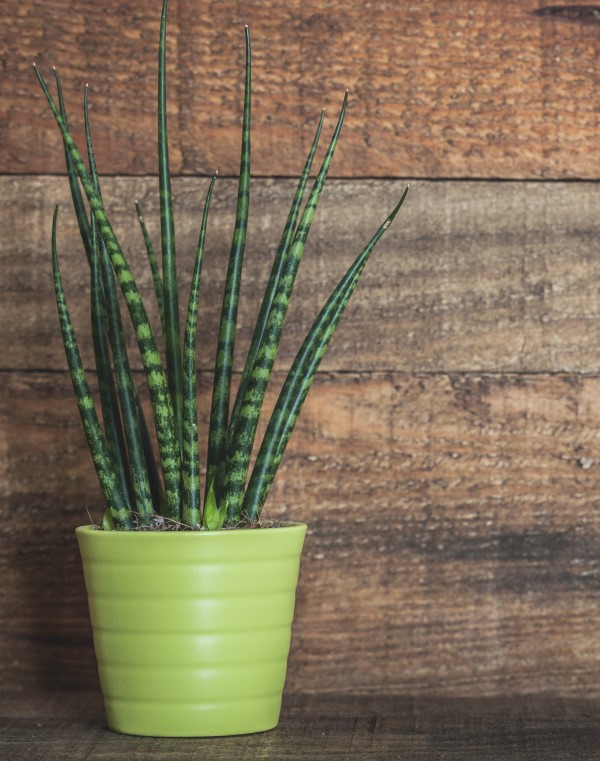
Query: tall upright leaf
point(300, 378)
point(191, 458)
point(217, 443)
point(109, 481)
point(170, 294)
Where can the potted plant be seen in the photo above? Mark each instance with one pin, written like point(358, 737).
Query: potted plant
point(191, 596)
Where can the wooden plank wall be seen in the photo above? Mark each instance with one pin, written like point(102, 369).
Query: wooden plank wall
point(448, 458)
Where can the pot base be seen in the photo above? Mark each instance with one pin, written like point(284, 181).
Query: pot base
point(201, 720)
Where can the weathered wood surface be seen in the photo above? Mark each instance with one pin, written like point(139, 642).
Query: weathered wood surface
point(472, 276)
point(438, 89)
point(448, 458)
point(534, 728)
point(454, 544)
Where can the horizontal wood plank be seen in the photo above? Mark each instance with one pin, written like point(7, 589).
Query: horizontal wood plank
point(444, 89)
point(535, 728)
point(453, 539)
point(470, 277)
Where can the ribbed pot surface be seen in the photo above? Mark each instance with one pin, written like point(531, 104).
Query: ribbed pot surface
point(192, 628)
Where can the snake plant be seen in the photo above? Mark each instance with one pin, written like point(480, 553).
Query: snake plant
point(138, 491)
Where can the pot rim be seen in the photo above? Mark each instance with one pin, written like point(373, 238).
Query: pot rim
point(285, 526)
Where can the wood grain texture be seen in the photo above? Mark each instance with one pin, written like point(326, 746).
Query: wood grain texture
point(454, 536)
point(472, 276)
point(448, 459)
point(438, 89)
point(320, 727)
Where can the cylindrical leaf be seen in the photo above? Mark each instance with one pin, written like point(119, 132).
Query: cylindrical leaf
point(217, 442)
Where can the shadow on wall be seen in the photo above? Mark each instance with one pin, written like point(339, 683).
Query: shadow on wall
point(46, 632)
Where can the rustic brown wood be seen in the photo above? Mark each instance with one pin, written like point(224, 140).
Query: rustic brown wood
point(529, 728)
point(444, 89)
point(471, 276)
point(448, 458)
point(453, 545)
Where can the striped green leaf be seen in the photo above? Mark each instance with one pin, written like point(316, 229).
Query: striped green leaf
point(191, 457)
point(108, 478)
point(217, 442)
point(170, 293)
point(300, 378)
point(242, 439)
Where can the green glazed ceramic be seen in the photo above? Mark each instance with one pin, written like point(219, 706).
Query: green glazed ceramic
point(192, 628)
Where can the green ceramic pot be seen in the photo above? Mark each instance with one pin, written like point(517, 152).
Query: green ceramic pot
point(192, 628)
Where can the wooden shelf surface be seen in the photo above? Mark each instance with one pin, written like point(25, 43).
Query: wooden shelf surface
point(71, 725)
